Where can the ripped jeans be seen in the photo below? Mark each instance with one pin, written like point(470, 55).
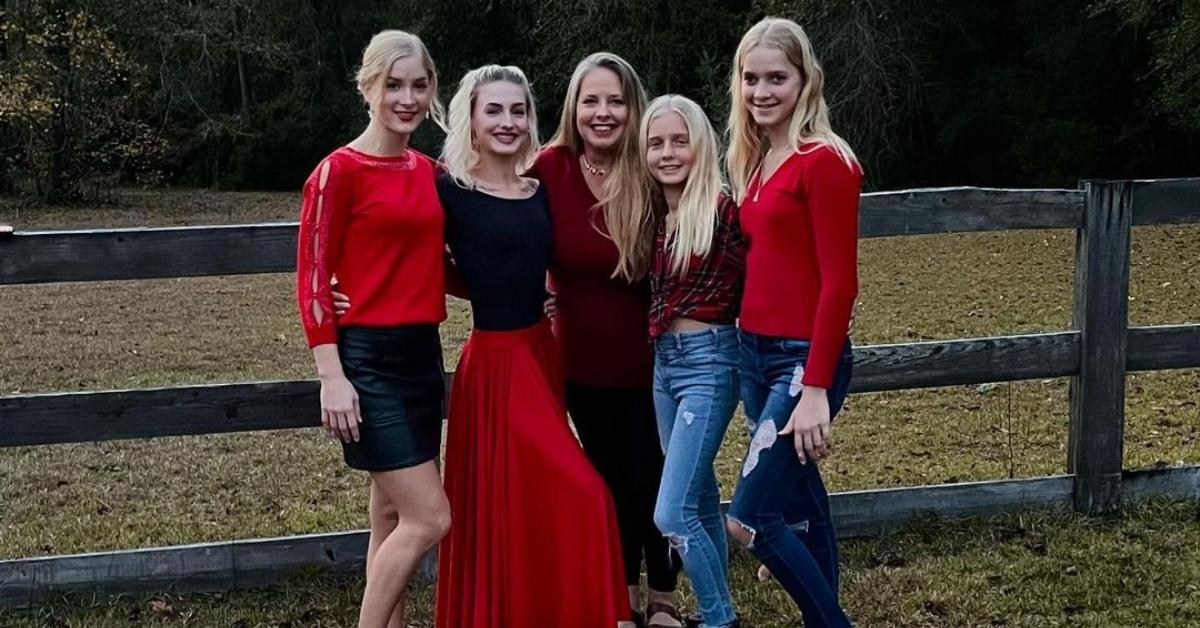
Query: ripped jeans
point(780, 502)
point(695, 394)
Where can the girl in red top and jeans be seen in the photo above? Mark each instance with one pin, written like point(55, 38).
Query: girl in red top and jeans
point(599, 203)
point(371, 217)
point(799, 213)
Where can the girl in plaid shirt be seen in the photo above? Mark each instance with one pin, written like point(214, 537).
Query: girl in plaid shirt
point(696, 285)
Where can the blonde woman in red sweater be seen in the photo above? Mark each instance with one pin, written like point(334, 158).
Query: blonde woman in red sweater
point(371, 214)
point(797, 183)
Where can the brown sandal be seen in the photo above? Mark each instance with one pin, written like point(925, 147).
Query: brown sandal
point(654, 608)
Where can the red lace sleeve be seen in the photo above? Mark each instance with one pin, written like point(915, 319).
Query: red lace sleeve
point(321, 217)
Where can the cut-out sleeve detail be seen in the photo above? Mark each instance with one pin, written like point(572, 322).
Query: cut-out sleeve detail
point(322, 216)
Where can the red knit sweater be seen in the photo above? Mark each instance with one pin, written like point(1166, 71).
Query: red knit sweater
point(801, 227)
point(601, 321)
point(376, 224)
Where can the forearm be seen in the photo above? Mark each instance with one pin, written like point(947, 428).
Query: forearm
point(329, 363)
point(830, 328)
point(809, 389)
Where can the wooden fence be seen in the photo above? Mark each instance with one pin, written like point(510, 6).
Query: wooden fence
point(1096, 354)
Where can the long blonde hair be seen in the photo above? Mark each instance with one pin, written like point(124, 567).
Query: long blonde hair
point(691, 233)
point(384, 49)
point(459, 154)
point(810, 118)
point(626, 202)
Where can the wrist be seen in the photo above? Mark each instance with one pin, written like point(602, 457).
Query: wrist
point(330, 375)
point(813, 390)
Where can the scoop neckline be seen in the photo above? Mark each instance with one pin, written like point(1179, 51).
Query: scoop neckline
point(536, 189)
point(405, 156)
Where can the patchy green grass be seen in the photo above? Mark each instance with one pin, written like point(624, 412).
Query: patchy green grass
point(1033, 569)
point(95, 496)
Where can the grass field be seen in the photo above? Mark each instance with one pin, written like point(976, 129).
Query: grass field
point(1036, 570)
point(71, 498)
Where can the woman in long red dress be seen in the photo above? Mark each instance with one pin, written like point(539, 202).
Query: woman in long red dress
point(534, 540)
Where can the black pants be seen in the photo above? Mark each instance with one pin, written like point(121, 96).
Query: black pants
point(619, 434)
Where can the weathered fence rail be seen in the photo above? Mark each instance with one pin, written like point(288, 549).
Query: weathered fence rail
point(1096, 354)
point(146, 253)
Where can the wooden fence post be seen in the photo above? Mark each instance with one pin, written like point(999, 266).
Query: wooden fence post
point(1095, 445)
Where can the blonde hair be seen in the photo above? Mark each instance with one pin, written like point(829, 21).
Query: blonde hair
point(626, 202)
point(691, 233)
point(810, 118)
point(384, 49)
point(458, 152)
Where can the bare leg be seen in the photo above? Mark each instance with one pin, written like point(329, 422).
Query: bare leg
point(383, 521)
point(764, 574)
point(422, 519)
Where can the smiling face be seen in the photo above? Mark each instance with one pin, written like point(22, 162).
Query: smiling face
point(500, 119)
point(669, 153)
point(401, 100)
point(770, 86)
point(601, 112)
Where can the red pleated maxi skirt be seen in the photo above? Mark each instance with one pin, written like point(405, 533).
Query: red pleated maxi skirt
point(533, 535)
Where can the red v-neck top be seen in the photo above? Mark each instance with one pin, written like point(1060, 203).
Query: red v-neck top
point(801, 229)
point(376, 224)
point(601, 320)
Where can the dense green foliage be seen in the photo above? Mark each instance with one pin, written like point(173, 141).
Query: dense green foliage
point(251, 93)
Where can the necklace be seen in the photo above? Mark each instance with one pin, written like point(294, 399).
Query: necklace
point(758, 172)
point(599, 172)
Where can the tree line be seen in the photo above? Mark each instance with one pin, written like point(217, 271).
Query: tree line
point(251, 93)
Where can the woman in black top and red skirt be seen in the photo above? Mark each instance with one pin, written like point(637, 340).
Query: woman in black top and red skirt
point(535, 539)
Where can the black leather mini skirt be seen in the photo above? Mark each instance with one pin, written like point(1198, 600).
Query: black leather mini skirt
point(398, 374)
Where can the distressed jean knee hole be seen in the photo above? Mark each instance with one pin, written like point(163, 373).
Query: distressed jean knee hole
point(678, 543)
point(740, 532)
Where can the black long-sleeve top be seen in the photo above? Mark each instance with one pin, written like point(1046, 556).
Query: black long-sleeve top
point(501, 249)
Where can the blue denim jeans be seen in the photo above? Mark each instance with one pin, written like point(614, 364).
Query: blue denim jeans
point(780, 502)
point(695, 394)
